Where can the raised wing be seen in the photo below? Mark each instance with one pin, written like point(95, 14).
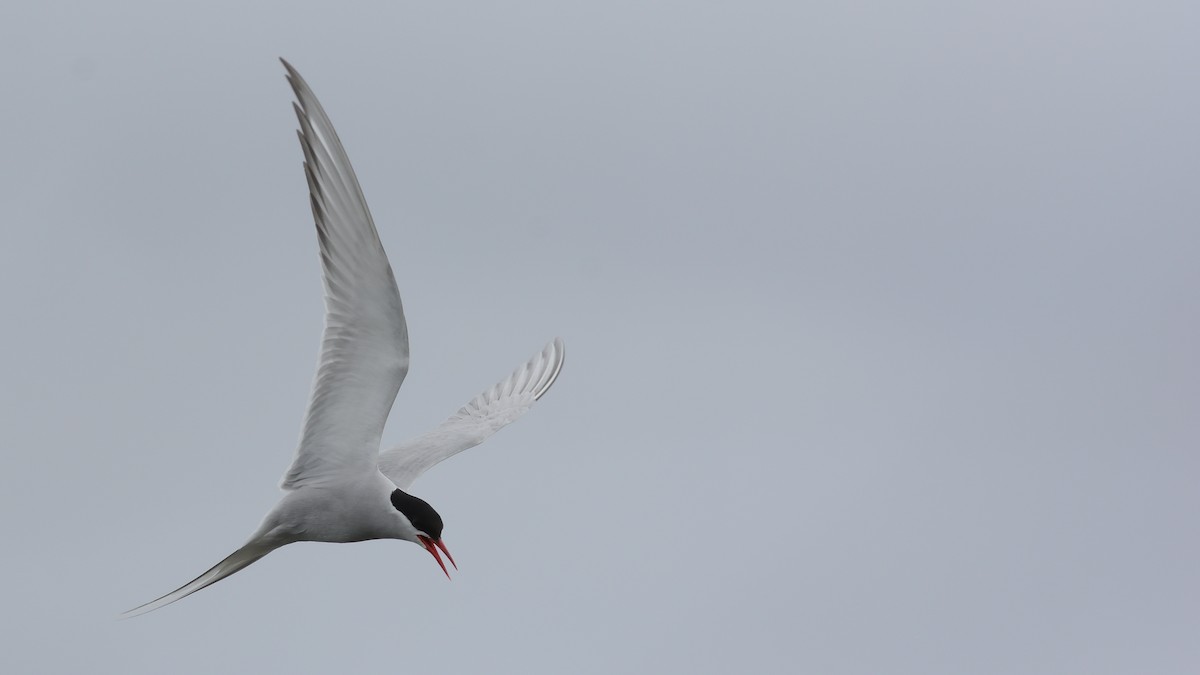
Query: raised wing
point(364, 353)
point(483, 416)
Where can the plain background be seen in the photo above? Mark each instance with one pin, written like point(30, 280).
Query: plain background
point(881, 320)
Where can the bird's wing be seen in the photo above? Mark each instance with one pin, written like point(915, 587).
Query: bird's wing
point(483, 416)
point(238, 560)
point(364, 352)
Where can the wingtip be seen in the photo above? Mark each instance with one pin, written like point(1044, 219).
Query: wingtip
point(555, 354)
point(295, 81)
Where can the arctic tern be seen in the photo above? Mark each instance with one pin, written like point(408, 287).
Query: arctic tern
point(340, 487)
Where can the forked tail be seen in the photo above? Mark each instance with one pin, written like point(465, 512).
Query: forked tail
point(238, 560)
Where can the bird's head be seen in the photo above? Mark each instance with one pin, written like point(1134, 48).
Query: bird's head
point(426, 522)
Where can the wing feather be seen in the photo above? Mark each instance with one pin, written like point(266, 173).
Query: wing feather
point(364, 351)
point(482, 416)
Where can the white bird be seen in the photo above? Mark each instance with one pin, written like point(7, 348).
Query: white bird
point(340, 488)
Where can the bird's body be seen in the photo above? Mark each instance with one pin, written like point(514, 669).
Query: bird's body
point(340, 488)
point(356, 508)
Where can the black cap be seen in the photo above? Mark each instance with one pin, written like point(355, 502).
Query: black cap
point(419, 513)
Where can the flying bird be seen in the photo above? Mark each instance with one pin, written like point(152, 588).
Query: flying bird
point(340, 487)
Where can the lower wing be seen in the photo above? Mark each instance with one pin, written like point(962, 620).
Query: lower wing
point(481, 417)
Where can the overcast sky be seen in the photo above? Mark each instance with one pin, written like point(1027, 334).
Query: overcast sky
point(882, 326)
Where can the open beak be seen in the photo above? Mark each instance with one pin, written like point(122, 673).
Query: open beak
point(432, 546)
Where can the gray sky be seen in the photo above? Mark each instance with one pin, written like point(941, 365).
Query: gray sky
point(881, 319)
